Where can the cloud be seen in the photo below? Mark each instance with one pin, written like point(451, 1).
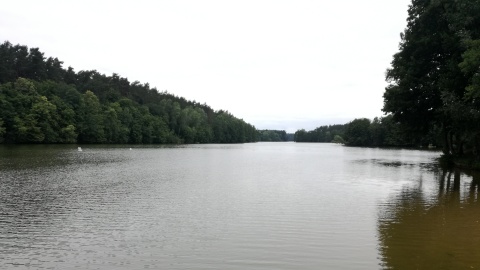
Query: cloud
point(264, 61)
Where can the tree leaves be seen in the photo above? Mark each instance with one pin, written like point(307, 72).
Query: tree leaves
point(434, 78)
point(43, 103)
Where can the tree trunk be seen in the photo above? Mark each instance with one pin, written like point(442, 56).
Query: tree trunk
point(446, 145)
point(451, 148)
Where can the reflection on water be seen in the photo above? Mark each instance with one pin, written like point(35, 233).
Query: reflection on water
point(253, 206)
point(438, 228)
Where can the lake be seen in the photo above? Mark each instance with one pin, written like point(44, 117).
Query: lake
point(245, 206)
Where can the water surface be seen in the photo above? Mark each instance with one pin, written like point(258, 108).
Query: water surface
point(249, 206)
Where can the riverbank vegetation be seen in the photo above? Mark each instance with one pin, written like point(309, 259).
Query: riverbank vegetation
point(269, 135)
point(320, 134)
point(433, 96)
point(379, 132)
point(434, 80)
point(41, 102)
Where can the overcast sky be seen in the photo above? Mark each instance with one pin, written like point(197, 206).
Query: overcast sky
point(276, 64)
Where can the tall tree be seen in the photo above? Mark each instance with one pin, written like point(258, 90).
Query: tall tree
point(36, 68)
point(7, 63)
point(358, 132)
point(3, 130)
point(40, 102)
point(54, 70)
point(427, 87)
point(90, 119)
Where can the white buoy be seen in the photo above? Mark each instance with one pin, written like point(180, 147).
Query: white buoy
point(80, 149)
point(130, 148)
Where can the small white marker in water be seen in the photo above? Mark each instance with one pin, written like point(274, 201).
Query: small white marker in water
point(80, 149)
point(130, 148)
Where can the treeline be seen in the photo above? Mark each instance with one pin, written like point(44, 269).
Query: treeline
point(434, 79)
point(268, 135)
point(331, 133)
point(379, 132)
point(433, 96)
point(41, 102)
point(384, 132)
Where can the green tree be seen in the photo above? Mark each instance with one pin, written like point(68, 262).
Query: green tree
point(377, 132)
point(47, 119)
point(54, 70)
point(301, 136)
point(272, 135)
point(160, 131)
point(2, 131)
point(40, 102)
point(69, 134)
point(7, 112)
point(26, 129)
point(433, 76)
point(393, 133)
point(20, 62)
point(90, 119)
point(338, 139)
point(357, 132)
point(7, 63)
point(114, 131)
point(65, 120)
point(26, 120)
point(36, 68)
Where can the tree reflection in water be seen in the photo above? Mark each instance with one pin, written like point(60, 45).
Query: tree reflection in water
point(421, 229)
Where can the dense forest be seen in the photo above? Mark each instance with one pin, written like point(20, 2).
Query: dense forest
point(268, 135)
point(332, 133)
point(379, 132)
point(434, 79)
point(433, 96)
point(41, 102)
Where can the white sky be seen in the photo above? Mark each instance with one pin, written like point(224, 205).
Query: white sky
point(276, 64)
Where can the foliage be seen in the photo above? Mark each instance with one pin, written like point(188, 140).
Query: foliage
point(358, 132)
point(382, 131)
point(320, 134)
point(268, 135)
point(433, 96)
point(338, 139)
point(434, 78)
point(41, 102)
